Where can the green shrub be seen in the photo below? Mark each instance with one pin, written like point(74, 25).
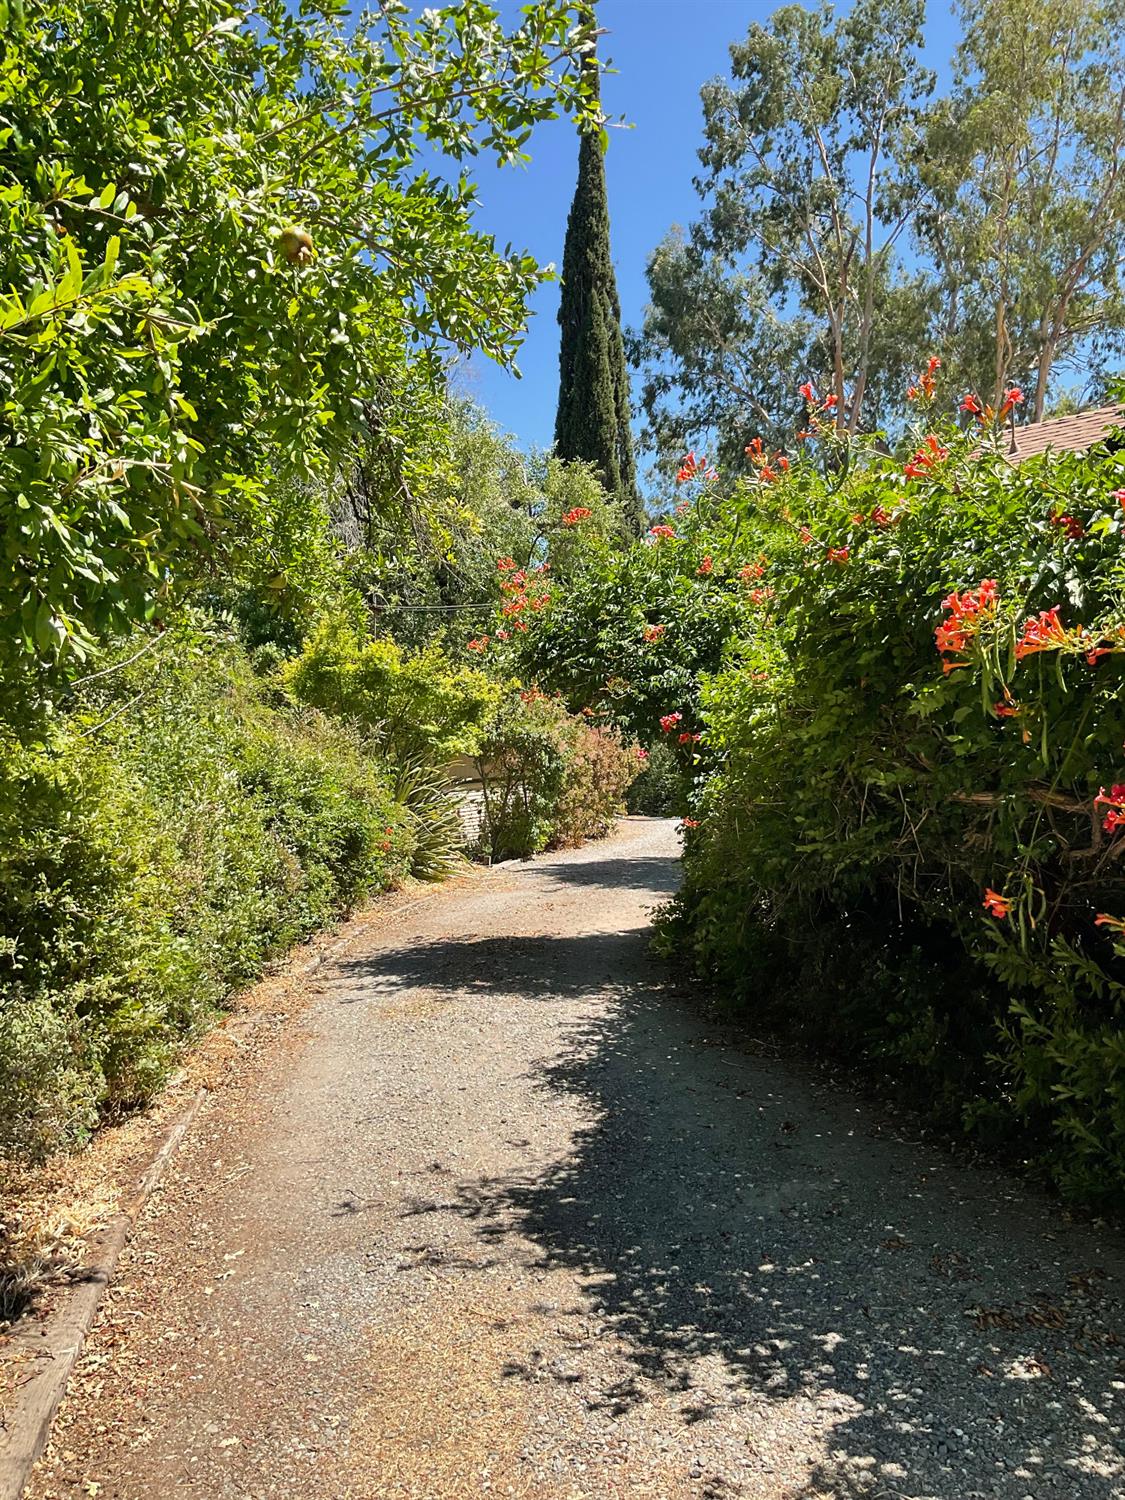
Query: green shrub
point(412, 705)
point(549, 777)
point(900, 848)
point(661, 790)
point(896, 850)
point(631, 629)
point(522, 765)
point(600, 768)
point(176, 834)
point(48, 1092)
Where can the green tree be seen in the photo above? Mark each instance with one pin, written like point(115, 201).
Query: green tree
point(216, 244)
point(594, 413)
point(792, 270)
point(436, 495)
point(1022, 171)
point(717, 357)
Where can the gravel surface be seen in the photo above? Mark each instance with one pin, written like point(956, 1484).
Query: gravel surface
point(499, 1214)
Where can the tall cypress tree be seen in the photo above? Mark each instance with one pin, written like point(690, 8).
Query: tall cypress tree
point(593, 415)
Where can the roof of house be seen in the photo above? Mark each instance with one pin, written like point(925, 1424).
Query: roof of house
point(1071, 434)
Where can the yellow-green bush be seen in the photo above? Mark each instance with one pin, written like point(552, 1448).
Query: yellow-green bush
point(420, 704)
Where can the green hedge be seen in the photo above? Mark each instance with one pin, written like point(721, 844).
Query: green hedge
point(900, 848)
point(187, 820)
point(177, 832)
point(898, 851)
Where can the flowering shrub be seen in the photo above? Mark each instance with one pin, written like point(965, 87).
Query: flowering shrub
point(633, 627)
point(926, 384)
point(600, 769)
point(1114, 819)
point(905, 839)
point(766, 469)
point(695, 468)
point(550, 777)
point(928, 456)
point(892, 688)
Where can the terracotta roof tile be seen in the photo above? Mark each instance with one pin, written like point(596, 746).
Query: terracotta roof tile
point(1072, 434)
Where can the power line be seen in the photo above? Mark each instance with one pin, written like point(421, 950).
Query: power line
point(431, 608)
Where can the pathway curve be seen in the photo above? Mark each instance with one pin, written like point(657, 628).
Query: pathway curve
point(503, 1216)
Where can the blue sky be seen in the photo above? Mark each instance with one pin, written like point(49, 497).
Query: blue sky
point(663, 50)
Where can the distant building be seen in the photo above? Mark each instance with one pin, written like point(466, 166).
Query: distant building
point(1072, 434)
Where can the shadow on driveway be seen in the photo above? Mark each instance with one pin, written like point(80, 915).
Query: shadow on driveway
point(930, 1320)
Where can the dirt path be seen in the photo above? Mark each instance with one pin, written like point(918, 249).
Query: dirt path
point(501, 1216)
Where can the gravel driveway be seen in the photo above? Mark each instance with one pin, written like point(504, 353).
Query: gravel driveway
point(501, 1215)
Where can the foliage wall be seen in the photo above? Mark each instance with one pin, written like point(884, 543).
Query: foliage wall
point(218, 249)
point(246, 529)
point(180, 830)
point(895, 683)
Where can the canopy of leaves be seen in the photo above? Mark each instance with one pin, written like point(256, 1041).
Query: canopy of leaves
point(849, 223)
point(1021, 187)
point(793, 265)
point(435, 494)
point(216, 243)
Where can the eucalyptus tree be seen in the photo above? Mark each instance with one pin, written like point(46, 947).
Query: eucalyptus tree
point(794, 264)
point(718, 359)
point(1022, 178)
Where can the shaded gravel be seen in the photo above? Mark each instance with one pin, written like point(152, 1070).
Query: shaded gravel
point(500, 1215)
